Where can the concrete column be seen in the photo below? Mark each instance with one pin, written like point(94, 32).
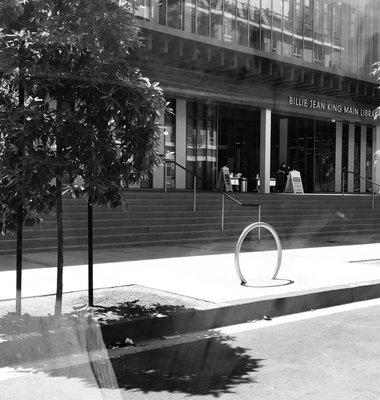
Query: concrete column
point(283, 141)
point(158, 173)
point(180, 143)
point(351, 149)
point(265, 134)
point(363, 157)
point(338, 156)
point(376, 155)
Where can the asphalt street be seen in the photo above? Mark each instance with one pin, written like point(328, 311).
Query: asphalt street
point(325, 354)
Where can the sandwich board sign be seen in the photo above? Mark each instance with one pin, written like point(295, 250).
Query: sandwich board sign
point(224, 181)
point(294, 183)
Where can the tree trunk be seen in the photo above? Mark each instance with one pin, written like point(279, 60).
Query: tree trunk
point(20, 219)
point(90, 249)
point(19, 258)
point(58, 298)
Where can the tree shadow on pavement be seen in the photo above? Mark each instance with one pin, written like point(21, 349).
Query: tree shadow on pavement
point(28, 338)
point(211, 366)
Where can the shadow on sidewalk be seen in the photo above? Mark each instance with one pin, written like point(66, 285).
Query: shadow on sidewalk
point(72, 346)
point(211, 366)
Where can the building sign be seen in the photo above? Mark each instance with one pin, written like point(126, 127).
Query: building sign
point(224, 180)
point(307, 103)
point(294, 183)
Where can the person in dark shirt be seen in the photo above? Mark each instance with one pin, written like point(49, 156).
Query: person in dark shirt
point(281, 176)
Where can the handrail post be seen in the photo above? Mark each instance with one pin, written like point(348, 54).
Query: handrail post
point(195, 194)
point(222, 212)
point(343, 182)
point(373, 198)
point(259, 228)
point(165, 189)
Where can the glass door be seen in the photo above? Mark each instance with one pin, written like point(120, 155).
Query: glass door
point(324, 157)
point(301, 150)
point(311, 150)
point(201, 146)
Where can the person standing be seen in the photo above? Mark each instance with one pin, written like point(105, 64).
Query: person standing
point(281, 176)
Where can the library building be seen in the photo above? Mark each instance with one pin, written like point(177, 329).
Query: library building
point(258, 84)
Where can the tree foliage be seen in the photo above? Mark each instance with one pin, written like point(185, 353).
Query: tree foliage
point(71, 104)
point(76, 53)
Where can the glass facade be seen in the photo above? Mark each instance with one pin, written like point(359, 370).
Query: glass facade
point(369, 156)
point(201, 144)
point(220, 135)
point(337, 34)
point(144, 9)
point(169, 144)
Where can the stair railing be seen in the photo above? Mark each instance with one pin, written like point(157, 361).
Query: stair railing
point(224, 195)
point(345, 177)
point(186, 170)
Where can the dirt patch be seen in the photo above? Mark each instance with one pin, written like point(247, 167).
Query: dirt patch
point(126, 302)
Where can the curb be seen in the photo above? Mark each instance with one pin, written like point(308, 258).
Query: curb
point(238, 312)
point(33, 346)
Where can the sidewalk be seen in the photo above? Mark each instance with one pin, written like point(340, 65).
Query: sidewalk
point(206, 286)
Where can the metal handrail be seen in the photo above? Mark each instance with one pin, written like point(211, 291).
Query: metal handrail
point(344, 171)
point(194, 183)
point(224, 194)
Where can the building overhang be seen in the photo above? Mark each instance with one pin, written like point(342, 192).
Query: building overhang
point(190, 52)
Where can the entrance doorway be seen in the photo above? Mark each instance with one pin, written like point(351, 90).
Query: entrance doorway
point(311, 150)
point(201, 144)
point(324, 157)
point(238, 142)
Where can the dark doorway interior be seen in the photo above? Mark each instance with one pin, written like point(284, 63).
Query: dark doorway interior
point(311, 150)
point(239, 141)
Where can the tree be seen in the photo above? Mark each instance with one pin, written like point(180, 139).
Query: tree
point(19, 198)
point(105, 123)
point(24, 173)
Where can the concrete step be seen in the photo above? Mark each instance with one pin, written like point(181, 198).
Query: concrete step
point(211, 218)
point(159, 234)
point(158, 218)
point(141, 226)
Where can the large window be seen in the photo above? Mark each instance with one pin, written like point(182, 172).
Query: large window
point(203, 17)
point(230, 21)
point(369, 156)
point(189, 20)
point(242, 22)
point(337, 34)
point(217, 19)
point(254, 24)
point(174, 10)
point(169, 145)
point(327, 33)
point(353, 51)
point(357, 158)
point(201, 144)
point(144, 8)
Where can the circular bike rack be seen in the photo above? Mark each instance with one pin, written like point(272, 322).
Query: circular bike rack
point(245, 232)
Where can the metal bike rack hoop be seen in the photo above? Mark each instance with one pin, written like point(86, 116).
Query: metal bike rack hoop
point(245, 232)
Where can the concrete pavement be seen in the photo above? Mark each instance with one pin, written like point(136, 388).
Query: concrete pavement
point(211, 278)
point(308, 278)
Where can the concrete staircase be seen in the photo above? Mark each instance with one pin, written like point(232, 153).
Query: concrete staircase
point(153, 218)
